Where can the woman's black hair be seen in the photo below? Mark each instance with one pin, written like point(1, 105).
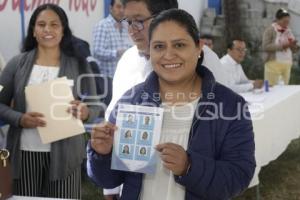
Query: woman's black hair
point(183, 19)
point(180, 17)
point(66, 44)
point(112, 3)
point(281, 13)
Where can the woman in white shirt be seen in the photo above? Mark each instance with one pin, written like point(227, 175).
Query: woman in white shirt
point(38, 169)
point(204, 153)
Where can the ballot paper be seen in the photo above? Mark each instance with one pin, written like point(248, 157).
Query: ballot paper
point(52, 99)
point(139, 129)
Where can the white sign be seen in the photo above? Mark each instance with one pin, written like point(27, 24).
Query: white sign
point(82, 14)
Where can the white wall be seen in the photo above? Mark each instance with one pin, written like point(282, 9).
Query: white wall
point(82, 14)
point(194, 7)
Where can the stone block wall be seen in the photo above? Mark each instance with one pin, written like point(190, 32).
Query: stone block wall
point(255, 17)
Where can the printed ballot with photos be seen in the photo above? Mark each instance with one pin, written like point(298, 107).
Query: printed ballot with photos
point(134, 145)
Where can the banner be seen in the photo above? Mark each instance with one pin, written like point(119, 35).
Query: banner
point(82, 14)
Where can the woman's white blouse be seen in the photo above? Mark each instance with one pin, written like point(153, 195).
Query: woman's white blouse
point(177, 122)
point(30, 138)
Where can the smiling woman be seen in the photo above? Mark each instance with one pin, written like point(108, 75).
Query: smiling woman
point(200, 157)
point(48, 30)
point(174, 57)
point(48, 53)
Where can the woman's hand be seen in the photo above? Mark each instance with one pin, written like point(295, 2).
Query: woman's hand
point(289, 44)
point(79, 110)
point(174, 158)
point(286, 46)
point(32, 120)
point(102, 138)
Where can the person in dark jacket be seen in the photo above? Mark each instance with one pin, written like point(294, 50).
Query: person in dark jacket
point(207, 142)
point(103, 83)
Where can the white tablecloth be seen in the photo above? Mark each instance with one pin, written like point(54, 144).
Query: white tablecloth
point(276, 121)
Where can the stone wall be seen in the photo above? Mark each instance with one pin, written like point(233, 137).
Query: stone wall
point(255, 16)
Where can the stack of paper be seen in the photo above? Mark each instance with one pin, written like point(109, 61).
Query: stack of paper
point(52, 99)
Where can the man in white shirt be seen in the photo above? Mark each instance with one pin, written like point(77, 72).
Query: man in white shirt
point(134, 66)
point(212, 62)
point(236, 78)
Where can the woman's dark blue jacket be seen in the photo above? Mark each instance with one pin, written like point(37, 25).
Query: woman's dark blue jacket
point(220, 148)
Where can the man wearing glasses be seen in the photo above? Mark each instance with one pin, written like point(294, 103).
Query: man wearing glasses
point(134, 66)
point(236, 78)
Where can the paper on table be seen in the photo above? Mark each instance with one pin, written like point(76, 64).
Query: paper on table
point(52, 99)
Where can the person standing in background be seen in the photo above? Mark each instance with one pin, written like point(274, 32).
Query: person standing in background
point(54, 169)
point(279, 44)
point(110, 39)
